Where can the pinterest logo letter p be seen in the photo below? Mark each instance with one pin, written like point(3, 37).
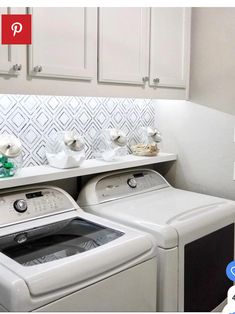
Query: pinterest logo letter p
point(16, 29)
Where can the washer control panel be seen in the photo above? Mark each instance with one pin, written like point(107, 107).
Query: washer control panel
point(129, 183)
point(23, 205)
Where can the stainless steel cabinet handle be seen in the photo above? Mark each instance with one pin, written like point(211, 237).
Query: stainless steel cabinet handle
point(38, 68)
point(17, 67)
point(145, 79)
point(156, 80)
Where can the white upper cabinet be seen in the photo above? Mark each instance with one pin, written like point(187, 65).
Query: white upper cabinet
point(129, 55)
point(9, 64)
point(123, 45)
point(64, 42)
point(169, 48)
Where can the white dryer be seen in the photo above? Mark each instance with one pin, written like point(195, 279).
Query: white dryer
point(55, 257)
point(194, 234)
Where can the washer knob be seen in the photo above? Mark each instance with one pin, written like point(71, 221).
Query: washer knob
point(132, 183)
point(20, 206)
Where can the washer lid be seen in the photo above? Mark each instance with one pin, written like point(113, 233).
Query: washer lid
point(67, 261)
point(56, 241)
point(158, 211)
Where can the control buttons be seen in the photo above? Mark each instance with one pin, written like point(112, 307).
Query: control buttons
point(132, 183)
point(20, 206)
point(21, 238)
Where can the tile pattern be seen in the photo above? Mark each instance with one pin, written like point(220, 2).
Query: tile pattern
point(35, 118)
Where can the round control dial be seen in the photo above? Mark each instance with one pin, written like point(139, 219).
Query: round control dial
point(20, 206)
point(132, 183)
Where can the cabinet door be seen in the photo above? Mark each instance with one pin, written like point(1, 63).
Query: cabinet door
point(170, 42)
point(64, 42)
point(8, 53)
point(123, 45)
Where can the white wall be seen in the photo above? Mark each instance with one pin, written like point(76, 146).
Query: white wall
point(203, 139)
point(213, 58)
point(203, 134)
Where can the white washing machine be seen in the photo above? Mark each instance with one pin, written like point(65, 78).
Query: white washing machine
point(55, 257)
point(194, 234)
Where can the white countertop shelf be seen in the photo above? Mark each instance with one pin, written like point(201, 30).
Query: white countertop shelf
point(39, 174)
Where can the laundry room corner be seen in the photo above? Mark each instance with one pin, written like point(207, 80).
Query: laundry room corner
point(117, 156)
point(203, 138)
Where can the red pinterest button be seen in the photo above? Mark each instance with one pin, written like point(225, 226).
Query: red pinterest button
point(16, 29)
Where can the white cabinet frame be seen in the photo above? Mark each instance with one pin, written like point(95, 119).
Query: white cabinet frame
point(87, 71)
point(182, 79)
point(137, 78)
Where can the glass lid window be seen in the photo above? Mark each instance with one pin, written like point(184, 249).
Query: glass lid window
point(56, 241)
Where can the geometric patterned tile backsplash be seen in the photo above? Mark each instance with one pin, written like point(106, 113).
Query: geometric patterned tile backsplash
point(35, 118)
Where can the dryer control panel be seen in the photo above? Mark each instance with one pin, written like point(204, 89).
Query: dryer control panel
point(129, 183)
point(21, 205)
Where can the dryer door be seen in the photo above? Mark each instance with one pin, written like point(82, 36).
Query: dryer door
point(205, 261)
point(206, 246)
